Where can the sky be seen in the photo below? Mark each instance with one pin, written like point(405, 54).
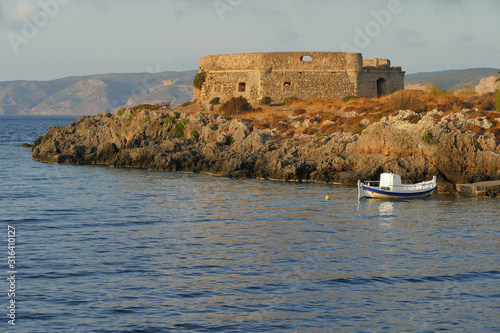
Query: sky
point(51, 39)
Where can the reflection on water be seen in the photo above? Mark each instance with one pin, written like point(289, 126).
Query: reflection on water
point(249, 255)
point(114, 250)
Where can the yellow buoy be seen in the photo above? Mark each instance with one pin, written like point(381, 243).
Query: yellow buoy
point(327, 197)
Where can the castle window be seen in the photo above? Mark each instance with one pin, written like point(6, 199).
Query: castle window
point(242, 86)
point(287, 86)
point(306, 58)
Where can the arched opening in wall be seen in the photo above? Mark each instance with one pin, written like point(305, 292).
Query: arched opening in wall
point(242, 86)
point(306, 58)
point(381, 87)
point(287, 86)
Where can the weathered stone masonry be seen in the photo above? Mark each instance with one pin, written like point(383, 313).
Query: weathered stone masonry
point(305, 75)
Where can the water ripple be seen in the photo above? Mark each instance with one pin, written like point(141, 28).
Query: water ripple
point(125, 250)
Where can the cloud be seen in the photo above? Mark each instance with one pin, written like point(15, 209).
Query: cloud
point(24, 10)
point(410, 38)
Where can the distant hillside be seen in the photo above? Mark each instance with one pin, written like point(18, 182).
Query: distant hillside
point(451, 79)
point(94, 94)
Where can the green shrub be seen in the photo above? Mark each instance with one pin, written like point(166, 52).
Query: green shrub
point(435, 89)
point(359, 130)
point(179, 128)
point(348, 98)
point(147, 107)
point(130, 117)
point(236, 105)
point(290, 99)
point(194, 134)
point(265, 100)
point(147, 119)
point(498, 101)
point(199, 79)
point(186, 104)
point(215, 101)
point(120, 112)
point(428, 138)
point(167, 120)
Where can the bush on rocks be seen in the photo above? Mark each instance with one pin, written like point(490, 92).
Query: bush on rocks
point(235, 106)
point(199, 79)
point(299, 112)
point(215, 101)
point(265, 100)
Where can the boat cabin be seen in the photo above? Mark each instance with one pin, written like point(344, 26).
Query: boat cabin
point(389, 179)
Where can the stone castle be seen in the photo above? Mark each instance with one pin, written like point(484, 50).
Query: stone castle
point(304, 75)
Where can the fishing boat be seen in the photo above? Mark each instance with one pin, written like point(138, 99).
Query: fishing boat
point(390, 187)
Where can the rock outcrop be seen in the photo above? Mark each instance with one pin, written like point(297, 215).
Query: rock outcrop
point(413, 145)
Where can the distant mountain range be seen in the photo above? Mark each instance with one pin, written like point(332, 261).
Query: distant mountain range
point(451, 79)
point(93, 94)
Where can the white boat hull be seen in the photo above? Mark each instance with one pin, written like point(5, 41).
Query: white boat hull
point(395, 190)
point(369, 192)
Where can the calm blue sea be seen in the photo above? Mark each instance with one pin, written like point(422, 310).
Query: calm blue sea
point(100, 249)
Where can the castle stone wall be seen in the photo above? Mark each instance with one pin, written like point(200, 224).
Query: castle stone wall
point(376, 62)
point(305, 75)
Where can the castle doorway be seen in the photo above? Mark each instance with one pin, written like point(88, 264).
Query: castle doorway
point(242, 86)
point(381, 87)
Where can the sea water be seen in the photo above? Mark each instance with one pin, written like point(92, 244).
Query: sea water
point(100, 249)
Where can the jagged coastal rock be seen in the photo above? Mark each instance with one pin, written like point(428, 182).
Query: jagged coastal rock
point(413, 145)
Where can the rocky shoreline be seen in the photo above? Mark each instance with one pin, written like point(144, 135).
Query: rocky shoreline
point(416, 146)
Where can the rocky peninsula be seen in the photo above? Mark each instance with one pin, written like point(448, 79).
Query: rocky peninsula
point(460, 147)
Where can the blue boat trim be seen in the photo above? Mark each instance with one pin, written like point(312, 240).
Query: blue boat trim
point(397, 194)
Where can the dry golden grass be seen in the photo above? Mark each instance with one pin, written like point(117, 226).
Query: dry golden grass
point(495, 131)
point(299, 112)
point(317, 105)
point(474, 128)
point(332, 115)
